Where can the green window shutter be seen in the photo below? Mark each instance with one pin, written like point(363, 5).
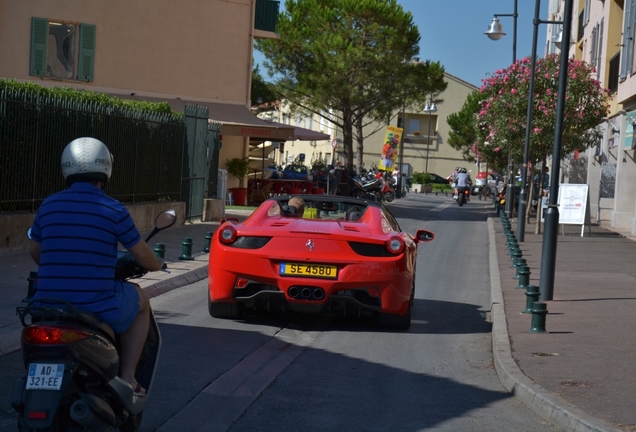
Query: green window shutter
point(39, 40)
point(86, 63)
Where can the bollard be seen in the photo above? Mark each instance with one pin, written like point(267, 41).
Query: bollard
point(532, 295)
point(515, 255)
point(160, 250)
point(33, 285)
point(208, 239)
point(539, 311)
point(521, 262)
point(524, 276)
point(186, 250)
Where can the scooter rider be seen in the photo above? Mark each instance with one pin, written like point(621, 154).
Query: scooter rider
point(74, 241)
point(463, 180)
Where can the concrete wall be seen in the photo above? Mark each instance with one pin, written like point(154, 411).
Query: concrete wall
point(14, 226)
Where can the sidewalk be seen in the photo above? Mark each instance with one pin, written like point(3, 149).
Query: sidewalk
point(15, 268)
point(580, 374)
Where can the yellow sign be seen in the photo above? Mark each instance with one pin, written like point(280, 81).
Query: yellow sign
point(392, 139)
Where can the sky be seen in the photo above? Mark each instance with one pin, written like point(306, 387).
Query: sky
point(452, 32)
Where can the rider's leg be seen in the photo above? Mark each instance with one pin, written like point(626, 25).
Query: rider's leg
point(133, 340)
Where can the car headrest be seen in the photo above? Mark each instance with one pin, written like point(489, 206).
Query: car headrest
point(289, 211)
point(355, 215)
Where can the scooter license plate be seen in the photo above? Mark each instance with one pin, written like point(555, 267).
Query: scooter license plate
point(44, 376)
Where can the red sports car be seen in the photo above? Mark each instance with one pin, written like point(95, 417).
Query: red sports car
point(341, 255)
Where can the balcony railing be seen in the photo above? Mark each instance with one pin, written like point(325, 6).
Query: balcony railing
point(266, 15)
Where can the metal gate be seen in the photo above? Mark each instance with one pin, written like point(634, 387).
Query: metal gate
point(195, 160)
point(214, 146)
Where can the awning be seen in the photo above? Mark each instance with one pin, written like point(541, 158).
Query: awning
point(303, 134)
point(235, 119)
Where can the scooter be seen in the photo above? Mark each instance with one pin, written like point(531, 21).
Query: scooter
point(367, 186)
point(72, 358)
point(388, 191)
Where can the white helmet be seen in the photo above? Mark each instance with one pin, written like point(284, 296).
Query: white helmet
point(86, 159)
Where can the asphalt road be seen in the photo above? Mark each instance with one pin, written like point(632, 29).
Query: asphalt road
point(297, 372)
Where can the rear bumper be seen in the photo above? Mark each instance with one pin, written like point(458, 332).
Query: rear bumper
point(365, 284)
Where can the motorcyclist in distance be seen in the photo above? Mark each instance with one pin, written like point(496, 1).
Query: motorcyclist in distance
point(74, 241)
point(463, 180)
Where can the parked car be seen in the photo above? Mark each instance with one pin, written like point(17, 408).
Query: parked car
point(295, 172)
point(343, 255)
point(436, 179)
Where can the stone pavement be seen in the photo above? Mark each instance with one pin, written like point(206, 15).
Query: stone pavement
point(579, 375)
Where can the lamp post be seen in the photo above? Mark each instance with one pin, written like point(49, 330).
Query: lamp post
point(521, 210)
point(398, 192)
point(430, 109)
point(551, 230)
point(495, 32)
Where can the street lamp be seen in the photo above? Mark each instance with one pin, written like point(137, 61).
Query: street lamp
point(430, 109)
point(521, 210)
point(495, 32)
point(551, 230)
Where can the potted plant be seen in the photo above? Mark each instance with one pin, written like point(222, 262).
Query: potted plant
point(239, 168)
point(421, 182)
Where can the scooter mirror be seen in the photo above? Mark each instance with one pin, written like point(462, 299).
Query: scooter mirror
point(165, 219)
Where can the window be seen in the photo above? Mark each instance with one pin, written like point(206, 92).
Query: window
point(62, 50)
point(614, 68)
point(627, 47)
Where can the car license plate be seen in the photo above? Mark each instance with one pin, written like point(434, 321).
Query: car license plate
point(309, 270)
point(44, 376)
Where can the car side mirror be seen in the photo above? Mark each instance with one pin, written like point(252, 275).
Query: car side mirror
point(424, 236)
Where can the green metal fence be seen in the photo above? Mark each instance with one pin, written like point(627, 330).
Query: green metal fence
point(34, 129)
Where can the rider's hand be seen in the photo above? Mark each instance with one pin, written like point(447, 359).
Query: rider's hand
point(162, 263)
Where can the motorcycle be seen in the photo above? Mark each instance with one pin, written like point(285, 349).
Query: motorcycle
point(461, 194)
point(367, 186)
point(72, 359)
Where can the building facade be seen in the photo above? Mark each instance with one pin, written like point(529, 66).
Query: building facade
point(197, 51)
point(603, 35)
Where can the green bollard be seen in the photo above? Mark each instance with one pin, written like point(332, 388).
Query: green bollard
point(532, 295)
point(33, 285)
point(524, 276)
point(515, 255)
point(160, 250)
point(186, 250)
point(539, 311)
point(208, 239)
point(521, 262)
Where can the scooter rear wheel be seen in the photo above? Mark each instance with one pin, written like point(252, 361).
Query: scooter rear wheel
point(388, 196)
point(133, 423)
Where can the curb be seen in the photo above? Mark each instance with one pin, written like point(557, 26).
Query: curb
point(10, 342)
point(546, 404)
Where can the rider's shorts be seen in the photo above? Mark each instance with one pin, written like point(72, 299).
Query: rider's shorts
point(128, 301)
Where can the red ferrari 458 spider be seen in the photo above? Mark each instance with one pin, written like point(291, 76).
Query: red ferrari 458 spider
point(341, 255)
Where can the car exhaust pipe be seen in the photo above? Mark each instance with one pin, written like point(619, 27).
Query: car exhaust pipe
point(319, 293)
point(306, 292)
point(293, 292)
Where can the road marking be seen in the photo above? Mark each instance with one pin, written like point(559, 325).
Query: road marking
point(221, 403)
point(442, 206)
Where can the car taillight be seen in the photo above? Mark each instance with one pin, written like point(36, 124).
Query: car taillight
point(47, 335)
point(395, 245)
point(227, 234)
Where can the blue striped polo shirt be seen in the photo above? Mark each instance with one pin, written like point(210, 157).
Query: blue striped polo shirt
point(78, 230)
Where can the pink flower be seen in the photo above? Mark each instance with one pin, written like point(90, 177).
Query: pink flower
point(496, 149)
point(513, 91)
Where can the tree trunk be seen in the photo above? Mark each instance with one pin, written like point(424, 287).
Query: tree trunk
point(529, 200)
point(537, 228)
point(347, 139)
point(360, 149)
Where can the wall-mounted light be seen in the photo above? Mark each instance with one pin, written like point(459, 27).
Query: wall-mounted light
point(615, 130)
